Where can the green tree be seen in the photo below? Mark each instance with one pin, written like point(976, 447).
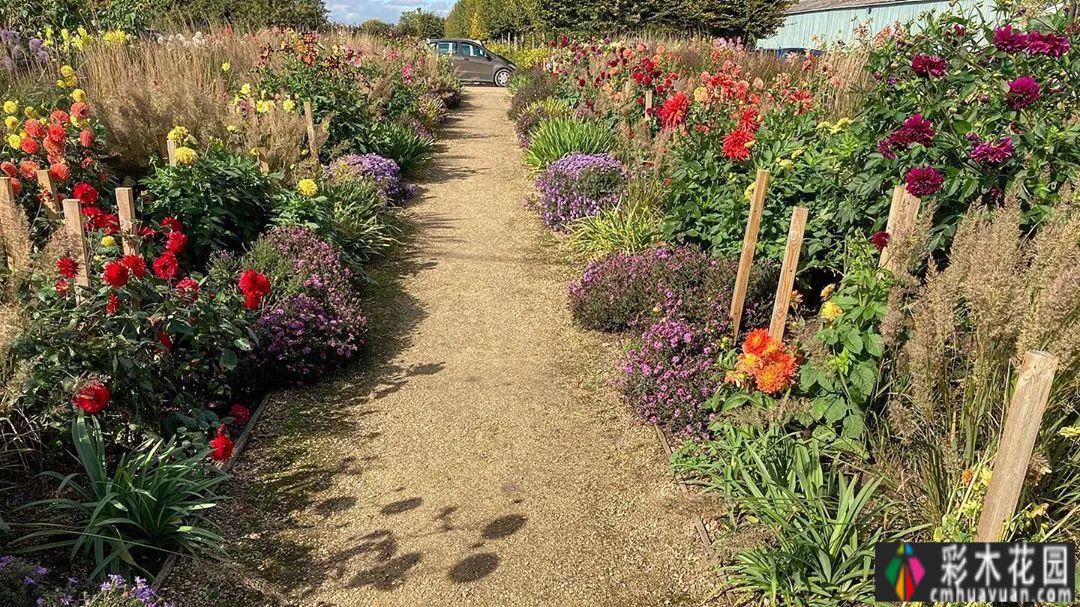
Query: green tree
point(420, 24)
point(375, 27)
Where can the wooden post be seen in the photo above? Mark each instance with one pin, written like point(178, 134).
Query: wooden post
point(746, 258)
point(49, 190)
point(125, 206)
point(7, 200)
point(74, 224)
point(170, 147)
point(1022, 422)
point(902, 214)
point(648, 101)
point(787, 273)
point(309, 118)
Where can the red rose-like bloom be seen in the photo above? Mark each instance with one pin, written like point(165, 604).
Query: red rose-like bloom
point(923, 181)
point(109, 222)
point(175, 242)
point(85, 192)
point(28, 169)
point(63, 286)
point(8, 168)
point(86, 139)
point(92, 398)
point(187, 288)
point(673, 111)
point(172, 224)
point(59, 116)
point(880, 240)
point(115, 274)
point(221, 446)
point(239, 413)
point(30, 145)
point(67, 267)
point(929, 66)
point(35, 129)
point(737, 144)
point(166, 266)
point(135, 263)
point(79, 111)
point(1022, 92)
point(113, 305)
point(57, 133)
point(254, 283)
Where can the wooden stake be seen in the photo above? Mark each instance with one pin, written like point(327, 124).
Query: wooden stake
point(73, 223)
point(787, 273)
point(1022, 422)
point(7, 200)
point(47, 188)
point(125, 206)
point(902, 213)
point(170, 147)
point(309, 118)
point(648, 101)
point(746, 258)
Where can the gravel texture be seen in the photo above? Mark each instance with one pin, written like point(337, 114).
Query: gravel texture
point(480, 456)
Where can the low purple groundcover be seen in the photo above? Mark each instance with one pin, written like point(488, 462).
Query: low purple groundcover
point(579, 185)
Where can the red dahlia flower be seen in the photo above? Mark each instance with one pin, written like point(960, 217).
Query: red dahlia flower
point(135, 263)
point(880, 240)
point(67, 267)
point(736, 145)
point(1010, 40)
point(929, 66)
point(92, 397)
point(674, 110)
point(923, 181)
point(8, 168)
point(115, 274)
point(86, 138)
point(35, 129)
point(188, 288)
point(30, 145)
point(113, 305)
point(1049, 44)
point(175, 241)
point(63, 286)
point(28, 169)
point(59, 116)
point(79, 111)
point(240, 414)
point(86, 193)
point(252, 282)
point(172, 224)
point(221, 446)
point(57, 133)
point(166, 266)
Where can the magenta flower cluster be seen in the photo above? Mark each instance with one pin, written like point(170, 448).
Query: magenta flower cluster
point(990, 152)
point(1035, 42)
point(923, 181)
point(1023, 92)
point(915, 129)
point(929, 66)
point(385, 172)
point(579, 185)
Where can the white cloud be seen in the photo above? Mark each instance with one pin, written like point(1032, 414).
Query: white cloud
point(357, 11)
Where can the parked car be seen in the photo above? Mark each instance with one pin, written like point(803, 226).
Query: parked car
point(473, 61)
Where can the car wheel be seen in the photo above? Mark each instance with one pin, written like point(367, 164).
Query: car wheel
point(502, 77)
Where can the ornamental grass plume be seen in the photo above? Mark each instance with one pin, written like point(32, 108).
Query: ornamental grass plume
point(1001, 295)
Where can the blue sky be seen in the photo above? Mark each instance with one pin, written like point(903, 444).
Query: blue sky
point(357, 11)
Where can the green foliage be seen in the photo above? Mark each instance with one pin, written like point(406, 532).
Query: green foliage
point(633, 225)
point(376, 27)
point(409, 149)
point(528, 87)
point(844, 384)
point(561, 136)
point(821, 520)
point(126, 517)
point(484, 19)
point(747, 20)
point(301, 14)
point(420, 24)
point(223, 199)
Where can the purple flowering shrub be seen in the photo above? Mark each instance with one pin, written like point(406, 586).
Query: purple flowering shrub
point(579, 185)
point(681, 299)
point(965, 109)
point(312, 320)
point(385, 172)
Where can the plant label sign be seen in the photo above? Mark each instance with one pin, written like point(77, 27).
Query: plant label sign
point(975, 572)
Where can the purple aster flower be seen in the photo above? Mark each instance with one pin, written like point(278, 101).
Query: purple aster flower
point(579, 185)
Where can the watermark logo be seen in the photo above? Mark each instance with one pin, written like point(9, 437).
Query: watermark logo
point(905, 571)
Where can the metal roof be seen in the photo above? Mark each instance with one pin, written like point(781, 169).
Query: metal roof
point(813, 6)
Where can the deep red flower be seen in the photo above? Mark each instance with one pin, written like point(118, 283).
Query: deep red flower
point(135, 263)
point(221, 446)
point(674, 110)
point(880, 240)
point(188, 288)
point(109, 222)
point(57, 133)
point(240, 414)
point(1023, 92)
point(92, 397)
point(67, 267)
point(736, 145)
point(8, 168)
point(175, 242)
point(165, 341)
point(1049, 44)
point(166, 266)
point(85, 192)
point(115, 274)
point(63, 286)
point(253, 282)
point(929, 66)
point(1010, 40)
point(113, 305)
point(172, 224)
point(923, 181)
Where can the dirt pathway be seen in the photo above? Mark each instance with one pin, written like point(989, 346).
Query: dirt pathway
point(471, 464)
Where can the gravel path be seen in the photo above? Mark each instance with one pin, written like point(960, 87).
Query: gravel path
point(481, 459)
